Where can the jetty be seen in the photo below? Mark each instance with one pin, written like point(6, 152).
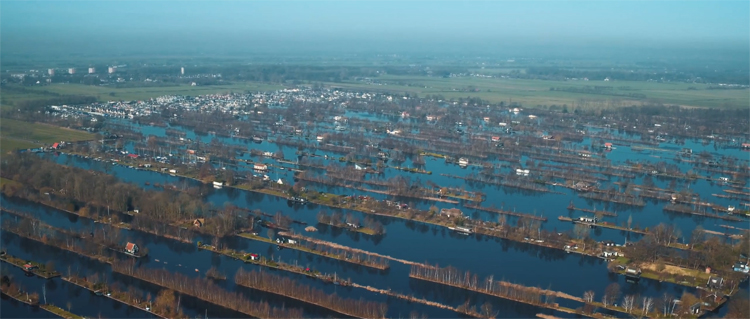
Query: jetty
point(338, 252)
point(505, 212)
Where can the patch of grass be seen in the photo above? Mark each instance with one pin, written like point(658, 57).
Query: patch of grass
point(11, 144)
point(10, 182)
point(39, 133)
point(60, 312)
point(537, 92)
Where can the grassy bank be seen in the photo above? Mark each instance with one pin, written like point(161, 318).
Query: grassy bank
point(20, 135)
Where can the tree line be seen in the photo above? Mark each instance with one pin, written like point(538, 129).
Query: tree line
point(206, 290)
point(290, 288)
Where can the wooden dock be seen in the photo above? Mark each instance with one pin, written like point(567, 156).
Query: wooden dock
point(687, 210)
point(505, 212)
point(592, 211)
point(603, 225)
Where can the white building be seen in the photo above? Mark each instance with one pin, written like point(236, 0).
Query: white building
point(182, 71)
point(71, 71)
point(92, 70)
point(51, 72)
point(111, 69)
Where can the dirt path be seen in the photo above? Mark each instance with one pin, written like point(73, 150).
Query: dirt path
point(335, 245)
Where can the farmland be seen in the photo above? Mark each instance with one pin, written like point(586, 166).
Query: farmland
point(19, 134)
point(532, 93)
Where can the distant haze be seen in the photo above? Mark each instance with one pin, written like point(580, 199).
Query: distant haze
point(31, 28)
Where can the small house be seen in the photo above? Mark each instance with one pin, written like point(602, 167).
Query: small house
point(353, 225)
point(260, 167)
point(609, 254)
point(282, 240)
point(608, 146)
point(590, 220)
point(695, 309)
point(522, 172)
point(29, 267)
point(746, 146)
point(633, 272)
point(254, 257)
point(608, 243)
point(741, 266)
point(199, 222)
point(451, 212)
point(715, 282)
point(463, 230)
point(131, 248)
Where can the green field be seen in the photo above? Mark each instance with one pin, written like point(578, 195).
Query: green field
point(11, 144)
point(20, 135)
point(531, 93)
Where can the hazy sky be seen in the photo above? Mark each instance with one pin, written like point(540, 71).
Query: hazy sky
point(44, 22)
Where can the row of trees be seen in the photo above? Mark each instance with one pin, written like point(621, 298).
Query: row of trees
point(36, 230)
point(703, 250)
point(165, 304)
point(342, 252)
point(288, 287)
point(338, 219)
point(93, 194)
point(454, 277)
point(206, 290)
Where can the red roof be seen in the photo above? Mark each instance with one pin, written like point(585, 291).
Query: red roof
point(129, 246)
point(28, 266)
point(133, 155)
point(254, 255)
point(55, 145)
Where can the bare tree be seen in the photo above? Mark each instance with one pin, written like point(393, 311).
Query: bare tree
point(666, 301)
point(588, 296)
point(628, 302)
point(611, 294)
point(646, 304)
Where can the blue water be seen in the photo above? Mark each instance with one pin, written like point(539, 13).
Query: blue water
point(516, 262)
